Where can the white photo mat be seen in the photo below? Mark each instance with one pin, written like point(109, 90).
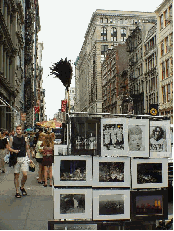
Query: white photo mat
point(114, 160)
point(111, 194)
point(111, 130)
point(57, 173)
point(87, 214)
point(160, 145)
point(60, 149)
point(138, 144)
point(134, 164)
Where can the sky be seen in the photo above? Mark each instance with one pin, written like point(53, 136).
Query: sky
point(63, 27)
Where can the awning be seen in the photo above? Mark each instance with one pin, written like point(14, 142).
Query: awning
point(5, 104)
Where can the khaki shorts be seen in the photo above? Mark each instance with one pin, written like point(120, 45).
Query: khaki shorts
point(22, 164)
point(2, 153)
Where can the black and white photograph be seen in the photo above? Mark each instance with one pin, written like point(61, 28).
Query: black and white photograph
point(113, 140)
point(60, 150)
point(160, 139)
point(149, 205)
point(111, 172)
point(72, 203)
point(111, 204)
point(138, 137)
point(85, 135)
point(73, 170)
point(149, 173)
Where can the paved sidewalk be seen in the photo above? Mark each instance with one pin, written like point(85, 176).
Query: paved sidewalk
point(30, 212)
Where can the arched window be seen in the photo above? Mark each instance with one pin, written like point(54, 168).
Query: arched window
point(114, 34)
point(123, 34)
point(103, 34)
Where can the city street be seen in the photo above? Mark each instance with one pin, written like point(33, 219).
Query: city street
point(30, 212)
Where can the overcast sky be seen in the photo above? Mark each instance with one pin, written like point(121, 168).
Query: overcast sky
point(63, 27)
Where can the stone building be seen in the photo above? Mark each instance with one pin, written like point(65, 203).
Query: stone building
point(165, 57)
point(106, 29)
point(151, 79)
point(40, 92)
point(114, 79)
point(32, 27)
point(142, 74)
point(19, 25)
point(11, 62)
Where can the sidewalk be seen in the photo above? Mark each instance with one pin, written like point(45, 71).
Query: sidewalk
point(30, 212)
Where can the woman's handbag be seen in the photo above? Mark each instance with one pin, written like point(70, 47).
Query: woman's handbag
point(12, 159)
point(31, 166)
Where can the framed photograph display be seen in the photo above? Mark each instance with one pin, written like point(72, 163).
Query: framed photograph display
point(149, 173)
point(60, 150)
point(114, 137)
point(138, 137)
point(149, 205)
point(73, 171)
point(72, 203)
point(111, 204)
point(111, 172)
point(85, 136)
point(160, 139)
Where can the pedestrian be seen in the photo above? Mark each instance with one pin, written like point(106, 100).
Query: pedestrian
point(48, 151)
point(20, 146)
point(39, 156)
point(3, 149)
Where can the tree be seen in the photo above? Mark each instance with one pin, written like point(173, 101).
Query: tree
point(63, 71)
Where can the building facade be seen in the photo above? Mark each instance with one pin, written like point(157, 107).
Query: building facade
point(114, 79)
point(12, 17)
point(165, 57)
point(106, 29)
point(32, 27)
point(142, 74)
point(19, 25)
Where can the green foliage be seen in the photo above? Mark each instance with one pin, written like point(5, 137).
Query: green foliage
point(63, 71)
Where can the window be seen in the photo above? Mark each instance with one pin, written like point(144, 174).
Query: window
point(104, 48)
point(114, 34)
point(164, 94)
point(123, 34)
point(104, 34)
point(162, 49)
point(161, 22)
point(163, 70)
point(121, 21)
point(167, 68)
point(170, 10)
point(168, 92)
point(105, 20)
point(101, 20)
point(166, 17)
point(167, 44)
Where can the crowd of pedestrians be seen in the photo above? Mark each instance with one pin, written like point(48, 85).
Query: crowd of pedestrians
point(18, 149)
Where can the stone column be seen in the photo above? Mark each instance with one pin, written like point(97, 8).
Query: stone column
point(1, 57)
point(5, 64)
point(7, 68)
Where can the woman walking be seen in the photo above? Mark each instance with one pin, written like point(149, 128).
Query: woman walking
point(48, 146)
point(3, 149)
point(39, 156)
